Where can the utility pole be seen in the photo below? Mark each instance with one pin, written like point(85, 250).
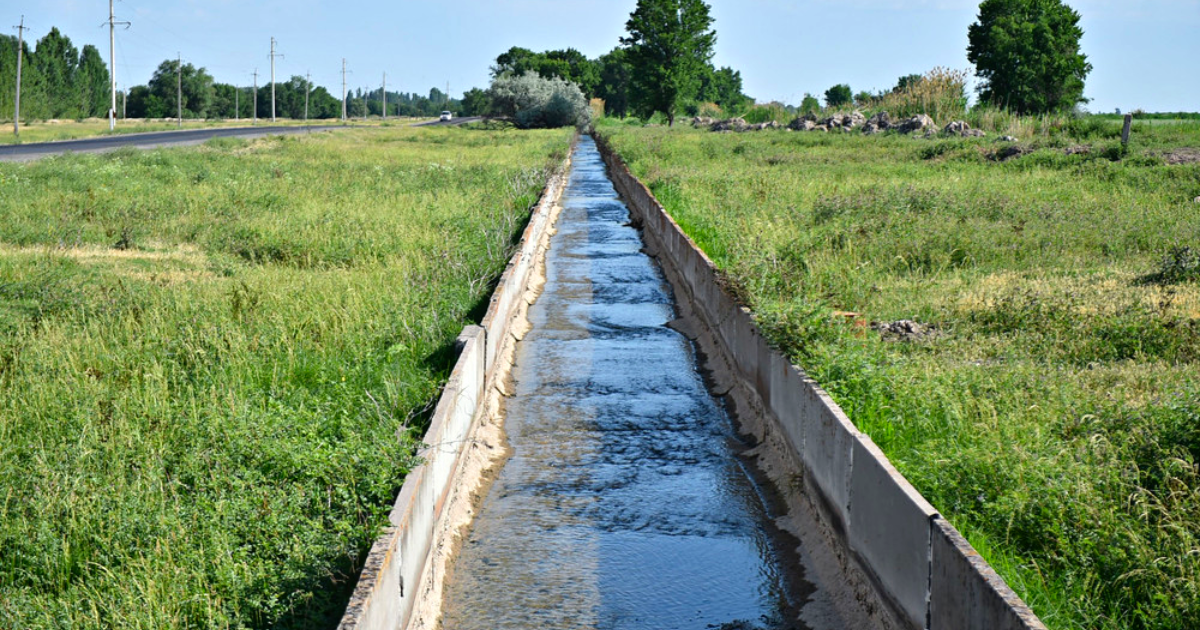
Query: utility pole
point(179, 90)
point(273, 56)
point(343, 89)
point(20, 52)
point(385, 96)
point(112, 63)
point(255, 96)
point(307, 89)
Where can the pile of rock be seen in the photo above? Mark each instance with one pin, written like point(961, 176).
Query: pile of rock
point(732, 124)
point(962, 129)
point(737, 125)
point(920, 122)
point(703, 121)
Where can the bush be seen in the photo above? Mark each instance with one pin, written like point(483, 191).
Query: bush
point(536, 102)
point(941, 93)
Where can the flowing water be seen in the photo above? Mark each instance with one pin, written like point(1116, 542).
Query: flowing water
point(625, 503)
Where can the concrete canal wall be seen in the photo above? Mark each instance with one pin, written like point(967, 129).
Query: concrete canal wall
point(897, 545)
point(400, 584)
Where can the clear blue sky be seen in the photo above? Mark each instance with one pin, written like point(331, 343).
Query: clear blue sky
point(1144, 51)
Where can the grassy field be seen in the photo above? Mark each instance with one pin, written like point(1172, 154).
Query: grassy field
point(1049, 400)
point(93, 127)
point(215, 363)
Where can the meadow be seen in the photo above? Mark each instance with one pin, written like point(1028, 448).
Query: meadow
point(1047, 399)
point(216, 363)
point(51, 131)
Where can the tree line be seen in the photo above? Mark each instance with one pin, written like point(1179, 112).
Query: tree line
point(57, 79)
point(60, 81)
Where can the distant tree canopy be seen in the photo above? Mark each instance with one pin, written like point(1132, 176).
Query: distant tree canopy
point(670, 46)
point(1027, 54)
point(810, 104)
point(838, 96)
point(57, 80)
point(663, 66)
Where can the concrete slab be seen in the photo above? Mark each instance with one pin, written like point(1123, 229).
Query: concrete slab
point(965, 592)
point(890, 529)
point(829, 440)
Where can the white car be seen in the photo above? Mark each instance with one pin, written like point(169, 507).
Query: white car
point(446, 117)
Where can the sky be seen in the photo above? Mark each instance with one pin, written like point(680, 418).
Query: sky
point(1144, 52)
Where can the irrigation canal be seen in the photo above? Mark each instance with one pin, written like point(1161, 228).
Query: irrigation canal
point(626, 502)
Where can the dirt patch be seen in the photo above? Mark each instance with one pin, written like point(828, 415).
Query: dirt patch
point(1186, 155)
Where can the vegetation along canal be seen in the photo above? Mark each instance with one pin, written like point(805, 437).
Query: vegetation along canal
point(625, 503)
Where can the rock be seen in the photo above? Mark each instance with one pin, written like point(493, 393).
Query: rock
point(763, 126)
point(702, 121)
point(1006, 139)
point(833, 121)
point(957, 128)
point(904, 330)
point(855, 119)
point(802, 124)
point(1081, 149)
point(975, 133)
point(733, 124)
point(916, 123)
point(820, 128)
point(1196, 200)
point(871, 128)
point(881, 120)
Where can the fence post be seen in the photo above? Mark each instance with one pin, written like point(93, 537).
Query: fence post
point(1125, 130)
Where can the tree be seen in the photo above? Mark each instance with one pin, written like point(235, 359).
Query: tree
point(615, 78)
point(1027, 54)
point(838, 95)
point(197, 92)
point(534, 101)
point(810, 104)
point(724, 87)
point(56, 62)
point(93, 84)
point(907, 81)
point(476, 102)
point(670, 46)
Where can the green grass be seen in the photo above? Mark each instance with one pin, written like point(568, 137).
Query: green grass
point(215, 363)
point(1054, 413)
point(92, 127)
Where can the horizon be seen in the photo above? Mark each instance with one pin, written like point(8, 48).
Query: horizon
point(1138, 56)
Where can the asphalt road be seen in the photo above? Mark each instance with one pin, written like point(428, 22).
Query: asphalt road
point(450, 123)
point(153, 140)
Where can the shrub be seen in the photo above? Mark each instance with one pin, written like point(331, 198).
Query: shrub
point(941, 93)
point(766, 113)
point(535, 102)
point(838, 95)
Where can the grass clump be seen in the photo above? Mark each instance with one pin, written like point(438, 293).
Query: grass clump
point(1052, 412)
point(216, 363)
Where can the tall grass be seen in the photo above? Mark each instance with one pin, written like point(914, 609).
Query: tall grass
point(941, 94)
point(215, 363)
point(1054, 414)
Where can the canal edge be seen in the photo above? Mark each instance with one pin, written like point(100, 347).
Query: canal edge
point(907, 565)
point(401, 583)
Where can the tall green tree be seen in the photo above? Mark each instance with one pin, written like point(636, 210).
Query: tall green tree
point(1027, 54)
point(615, 78)
point(670, 47)
point(724, 87)
point(56, 61)
point(93, 84)
point(197, 92)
